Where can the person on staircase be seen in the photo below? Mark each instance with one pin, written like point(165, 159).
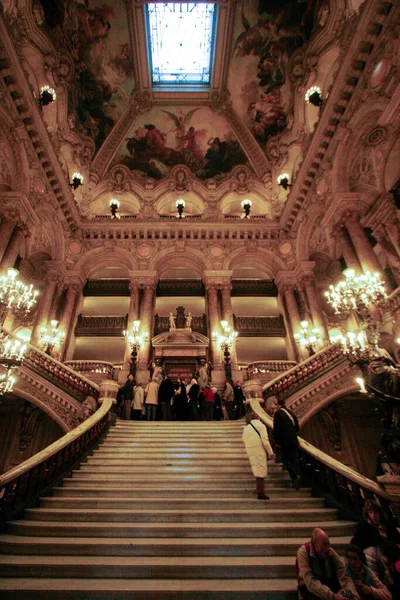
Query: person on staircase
point(180, 400)
point(218, 414)
point(193, 398)
point(238, 400)
point(228, 399)
point(138, 401)
point(166, 392)
point(128, 396)
point(151, 393)
point(367, 583)
point(209, 403)
point(258, 448)
point(286, 427)
point(321, 573)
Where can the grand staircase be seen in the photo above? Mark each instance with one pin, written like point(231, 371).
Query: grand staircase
point(164, 511)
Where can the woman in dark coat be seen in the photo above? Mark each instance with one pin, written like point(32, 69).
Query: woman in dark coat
point(180, 401)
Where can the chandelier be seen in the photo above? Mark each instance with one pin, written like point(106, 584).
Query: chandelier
point(135, 341)
point(51, 338)
point(356, 292)
point(308, 338)
point(226, 339)
point(11, 356)
point(15, 295)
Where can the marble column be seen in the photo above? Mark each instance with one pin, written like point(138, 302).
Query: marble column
point(214, 325)
point(366, 255)
point(43, 307)
point(13, 248)
point(6, 230)
point(389, 250)
point(317, 313)
point(66, 318)
point(146, 319)
point(133, 315)
point(227, 314)
point(344, 245)
point(293, 316)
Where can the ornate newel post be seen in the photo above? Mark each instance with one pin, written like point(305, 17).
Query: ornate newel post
point(109, 389)
point(252, 389)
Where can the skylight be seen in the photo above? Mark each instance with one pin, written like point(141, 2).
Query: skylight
point(181, 42)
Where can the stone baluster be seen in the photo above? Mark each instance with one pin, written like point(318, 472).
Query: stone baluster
point(366, 255)
point(314, 303)
point(6, 229)
point(13, 248)
point(43, 306)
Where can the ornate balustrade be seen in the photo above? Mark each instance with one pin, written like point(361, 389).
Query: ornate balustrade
point(21, 487)
point(104, 326)
point(343, 487)
point(269, 369)
point(92, 368)
point(106, 287)
point(305, 373)
point(62, 376)
point(260, 326)
point(253, 287)
point(198, 324)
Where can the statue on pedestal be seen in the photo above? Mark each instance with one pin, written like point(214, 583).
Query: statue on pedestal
point(188, 321)
point(172, 321)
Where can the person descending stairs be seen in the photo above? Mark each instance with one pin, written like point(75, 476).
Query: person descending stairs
point(164, 510)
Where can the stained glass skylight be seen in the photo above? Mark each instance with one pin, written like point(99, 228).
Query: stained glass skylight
point(181, 42)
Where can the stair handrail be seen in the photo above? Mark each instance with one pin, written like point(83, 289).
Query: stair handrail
point(303, 373)
point(22, 485)
point(90, 366)
point(341, 485)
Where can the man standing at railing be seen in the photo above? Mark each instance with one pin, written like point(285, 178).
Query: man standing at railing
point(286, 426)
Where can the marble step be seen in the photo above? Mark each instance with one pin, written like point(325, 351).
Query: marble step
point(153, 469)
point(148, 589)
point(176, 454)
point(225, 480)
point(148, 515)
point(118, 502)
point(168, 530)
point(146, 567)
point(11, 544)
point(142, 490)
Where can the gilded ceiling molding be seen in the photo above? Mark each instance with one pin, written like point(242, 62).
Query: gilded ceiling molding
point(140, 103)
point(370, 26)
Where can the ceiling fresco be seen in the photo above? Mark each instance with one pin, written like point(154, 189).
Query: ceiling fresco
point(96, 37)
point(196, 137)
point(268, 36)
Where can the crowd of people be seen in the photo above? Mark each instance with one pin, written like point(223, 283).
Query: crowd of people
point(180, 401)
point(372, 562)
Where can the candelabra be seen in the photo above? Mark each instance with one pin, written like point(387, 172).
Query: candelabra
point(135, 341)
point(225, 341)
point(11, 356)
point(308, 338)
point(114, 206)
point(51, 337)
point(15, 295)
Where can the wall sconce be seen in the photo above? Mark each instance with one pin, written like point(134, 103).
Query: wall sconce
point(314, 96)
point(225, 341)
point(246, 205)
point(283, 181)
point(180, 205)
point(77, 180)
point(114, 206)
point(47, 95)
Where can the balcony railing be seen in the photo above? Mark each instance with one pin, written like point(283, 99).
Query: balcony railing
point(22, 486)
point(198, 324)
point(304, 373)
point(101, 326)
point(260, 326)
point(60, 375)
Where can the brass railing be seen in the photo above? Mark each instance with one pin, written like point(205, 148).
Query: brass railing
point(21, 486)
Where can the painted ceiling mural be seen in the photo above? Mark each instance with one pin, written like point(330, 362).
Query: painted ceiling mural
point(96, 37)
point(195, 137)
point(268, 36)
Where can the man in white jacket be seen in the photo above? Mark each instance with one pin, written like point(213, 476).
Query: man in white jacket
point(258, 448)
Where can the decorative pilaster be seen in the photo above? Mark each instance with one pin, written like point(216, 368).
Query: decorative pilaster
point(6, 230)
point(44, 305)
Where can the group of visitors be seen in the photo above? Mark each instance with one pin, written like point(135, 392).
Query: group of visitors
point(168, 401)
point(371, 568)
